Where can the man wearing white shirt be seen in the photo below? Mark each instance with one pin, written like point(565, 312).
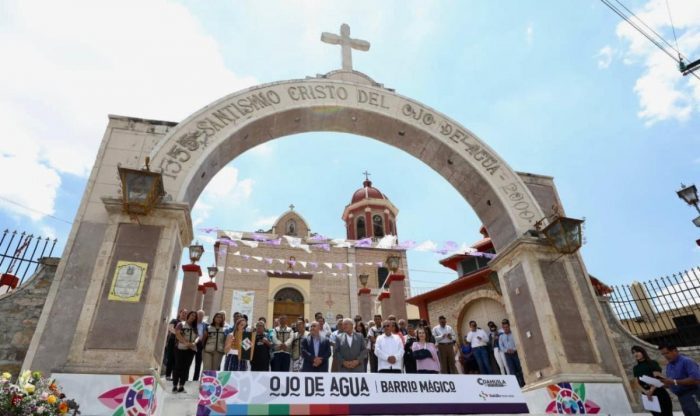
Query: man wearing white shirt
point(445, 338)
point(479, 340)
point(389, 351)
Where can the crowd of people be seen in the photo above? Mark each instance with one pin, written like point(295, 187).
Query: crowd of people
point(380, 346)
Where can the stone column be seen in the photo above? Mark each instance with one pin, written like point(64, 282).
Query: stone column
point(190, 284)
point(198, 297)
point(560, 331)
point(352, 284)
point(385, 299)
point(93, 337)
point(364, 300)
point(208, 302)
point(397, 288)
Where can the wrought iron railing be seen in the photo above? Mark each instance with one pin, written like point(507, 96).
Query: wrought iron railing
point(661, 311)
point(19, 257)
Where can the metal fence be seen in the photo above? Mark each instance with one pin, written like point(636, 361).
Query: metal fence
point(661, 311)
point(19, 257)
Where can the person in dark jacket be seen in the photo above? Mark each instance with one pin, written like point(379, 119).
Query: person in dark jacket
point(316, 350)
point(261, 353)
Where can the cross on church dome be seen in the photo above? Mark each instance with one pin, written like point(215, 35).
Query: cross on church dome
point(346, 44)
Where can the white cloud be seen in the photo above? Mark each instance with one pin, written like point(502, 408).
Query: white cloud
point(28, 183)
point(67, 66)
point(605, 56)
point(529, 33)
point(664, 94)
point(427, 245)
point(264, 222)
point(226, 185)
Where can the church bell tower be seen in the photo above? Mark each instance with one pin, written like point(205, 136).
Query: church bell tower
point(369, 214)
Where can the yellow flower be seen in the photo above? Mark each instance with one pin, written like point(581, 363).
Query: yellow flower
point(51, 399)
point(63, 407)
point(29, 388)
point(6, 376)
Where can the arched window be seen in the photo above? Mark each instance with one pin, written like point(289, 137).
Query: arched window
point(291, 228)
point(378, 224)
point(289, 294)
point(361, 230)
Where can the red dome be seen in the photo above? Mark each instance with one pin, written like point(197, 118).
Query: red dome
point(366, 192)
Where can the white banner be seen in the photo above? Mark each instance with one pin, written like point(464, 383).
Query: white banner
point(243, 303)
point(251, 392)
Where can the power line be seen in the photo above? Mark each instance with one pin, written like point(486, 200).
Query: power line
point(35, 210)
point(649, 27)
point(644, 33)
point(673, 27)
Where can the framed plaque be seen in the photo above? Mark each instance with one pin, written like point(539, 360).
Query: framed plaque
point(127, 282)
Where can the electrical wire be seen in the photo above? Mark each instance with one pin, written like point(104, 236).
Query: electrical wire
point(673, 28)
point(35, 210)
point(658, 35)
point(644, 33)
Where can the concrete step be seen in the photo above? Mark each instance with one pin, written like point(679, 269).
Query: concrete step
point(180, 404)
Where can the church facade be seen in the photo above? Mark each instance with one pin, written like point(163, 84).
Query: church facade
point(291, 281)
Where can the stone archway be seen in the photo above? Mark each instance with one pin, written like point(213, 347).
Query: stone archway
point(86, 338)
point(350, 102)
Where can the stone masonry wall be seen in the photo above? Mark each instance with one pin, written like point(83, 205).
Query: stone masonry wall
point(20, 311)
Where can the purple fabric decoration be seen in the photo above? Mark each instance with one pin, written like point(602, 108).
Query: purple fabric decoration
point(313, 264)
point(245, 256)
point(318, 238)
point(339, 266)
point(268, 260)
point(407, 245)
point(258, 237)
point(365, 242)
point(274, 242)
point(246, 270)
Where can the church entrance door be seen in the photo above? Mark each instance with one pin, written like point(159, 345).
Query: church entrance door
point(289, 302)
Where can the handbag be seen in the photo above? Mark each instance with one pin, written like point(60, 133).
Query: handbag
point(422, 354)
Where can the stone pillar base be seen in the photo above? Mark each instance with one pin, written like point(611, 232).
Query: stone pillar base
point(190, 283)
point(364, 297)
point(385, 300)
point(397, 288)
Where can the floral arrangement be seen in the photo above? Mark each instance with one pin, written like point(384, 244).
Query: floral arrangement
point(33, 395)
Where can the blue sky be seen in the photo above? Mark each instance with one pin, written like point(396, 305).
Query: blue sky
point(556, 88)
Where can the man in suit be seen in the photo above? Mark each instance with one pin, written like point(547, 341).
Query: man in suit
point(316, 350)
point(350, 348)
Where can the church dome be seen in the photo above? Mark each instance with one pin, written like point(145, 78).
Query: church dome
point(367, 192)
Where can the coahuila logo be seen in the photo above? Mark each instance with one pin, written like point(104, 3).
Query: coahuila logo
point(491, 383)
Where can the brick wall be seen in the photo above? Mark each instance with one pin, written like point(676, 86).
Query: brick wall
point(20, 311)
